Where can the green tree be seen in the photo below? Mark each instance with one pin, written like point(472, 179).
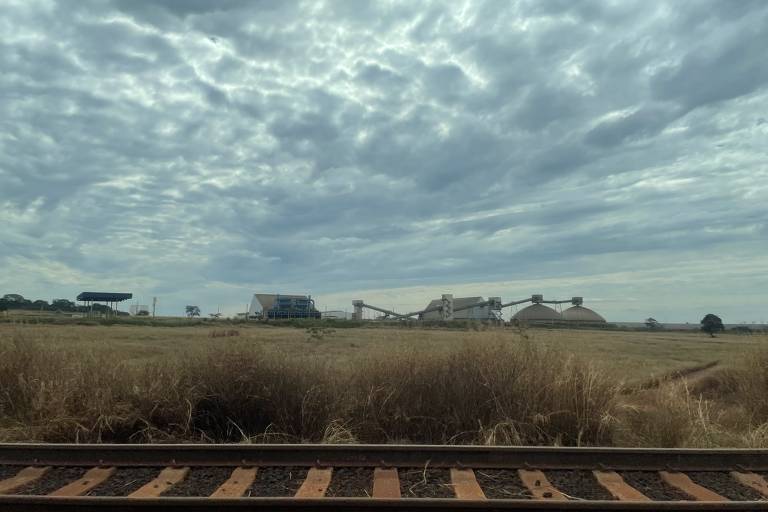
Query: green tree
point(192, 311)
point(711, 324)
point(63, 304)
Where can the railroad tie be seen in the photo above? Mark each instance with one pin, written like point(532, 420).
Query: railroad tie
point(465, 485)
point(619, 489)
point(386, 483)
point(683, 482)
point(22, 478)
point(540, 488)
point(315, 484)
point(164, 481)
point(92, 478)
point(752, 480)
point(239, 482)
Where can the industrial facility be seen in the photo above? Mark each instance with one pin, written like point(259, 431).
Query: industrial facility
point(448, 308)
point(275, 306)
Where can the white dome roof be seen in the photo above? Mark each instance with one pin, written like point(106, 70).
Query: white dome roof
point(537, 312)
point(581, 314)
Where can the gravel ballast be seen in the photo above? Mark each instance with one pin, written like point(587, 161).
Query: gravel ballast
point(351, 483)
point(53, 479)
point(651, 484)
point(578, 484)
point(725, 485)
point(200, 482)
point(277, 481)
point(9, 471)
point(125, 481)
point(500, 484)
point(425, 483)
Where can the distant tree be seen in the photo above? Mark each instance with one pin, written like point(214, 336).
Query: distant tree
point(192, 311)
point(63, 305)
point(711, 324)
point(13, 297)
point(41, 304)
point(652, 323)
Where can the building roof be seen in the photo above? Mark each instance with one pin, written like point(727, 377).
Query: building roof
point(104, 296)
point(581, 314)
point(537, 312)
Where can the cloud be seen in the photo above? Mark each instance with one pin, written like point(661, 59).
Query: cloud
point(202, 151)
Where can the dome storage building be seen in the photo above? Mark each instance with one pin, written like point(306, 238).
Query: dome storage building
point(537, 313)
point(581, 314)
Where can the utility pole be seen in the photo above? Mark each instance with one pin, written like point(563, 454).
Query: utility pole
point(154, 305)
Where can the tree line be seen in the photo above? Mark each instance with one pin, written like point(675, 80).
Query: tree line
point(14, 301)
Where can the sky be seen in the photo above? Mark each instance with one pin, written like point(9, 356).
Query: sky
point(389, 151)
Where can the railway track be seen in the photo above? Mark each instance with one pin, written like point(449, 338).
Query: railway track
point(377, 478)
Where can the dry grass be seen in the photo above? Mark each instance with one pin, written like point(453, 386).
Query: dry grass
point(141, 384)
point(487, 392)
point(725, 407)
point(493, 393)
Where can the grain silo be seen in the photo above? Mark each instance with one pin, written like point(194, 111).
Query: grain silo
point(579, 313)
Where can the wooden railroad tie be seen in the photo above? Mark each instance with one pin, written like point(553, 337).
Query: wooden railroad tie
point(386, 483)
point(465, 485)
point(683, 483)
point(752, 480)
point(239, 482)
point(164, 481)
point(619, 489)
point(92, 478)
point(22, 478)
point(316, 483)
point(540, 488)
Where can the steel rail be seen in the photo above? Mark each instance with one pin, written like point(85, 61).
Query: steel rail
point(92, 504)
point(87, 504)
point(439, 456)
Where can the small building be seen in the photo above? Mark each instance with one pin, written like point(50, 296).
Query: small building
point(278, 306)
point(460, 313)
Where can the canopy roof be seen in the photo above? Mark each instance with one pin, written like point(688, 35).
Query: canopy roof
point(104, 297)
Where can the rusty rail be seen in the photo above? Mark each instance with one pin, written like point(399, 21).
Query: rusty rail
point(382, 455)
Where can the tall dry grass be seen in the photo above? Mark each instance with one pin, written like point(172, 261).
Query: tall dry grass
point(723, 408)
point(495, 392)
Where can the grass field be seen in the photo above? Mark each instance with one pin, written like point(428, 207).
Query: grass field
point(627, 355)
point(263, 383)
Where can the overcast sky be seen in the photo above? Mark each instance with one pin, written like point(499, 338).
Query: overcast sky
point(201, 151)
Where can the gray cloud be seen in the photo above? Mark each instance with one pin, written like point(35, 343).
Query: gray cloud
point(205, 150)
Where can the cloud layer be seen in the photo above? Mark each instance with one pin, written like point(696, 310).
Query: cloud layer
point(201, 151)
